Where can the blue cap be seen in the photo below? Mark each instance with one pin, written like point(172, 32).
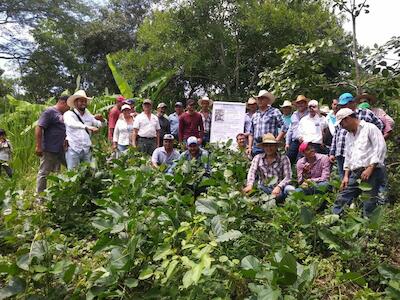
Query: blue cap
point(345, 98)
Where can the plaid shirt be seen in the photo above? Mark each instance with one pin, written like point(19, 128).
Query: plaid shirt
point(206, 122)
point(338, 145)
point(268, 121)
point(279, 168)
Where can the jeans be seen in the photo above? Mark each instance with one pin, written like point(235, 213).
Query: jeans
point(74, 158)
point(340, 162)
point(256, 150)
point(282, 196)
point(293, 151)
point(346, 196)
point(49, 162)
point(147, 145)
point(318, 188)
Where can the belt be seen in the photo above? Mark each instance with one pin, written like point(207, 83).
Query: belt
point(147, 138)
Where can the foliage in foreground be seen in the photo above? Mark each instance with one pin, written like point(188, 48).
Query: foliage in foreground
point(121, 229)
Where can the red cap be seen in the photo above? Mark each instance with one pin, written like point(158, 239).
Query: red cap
point(120, 98)
point(303, 146)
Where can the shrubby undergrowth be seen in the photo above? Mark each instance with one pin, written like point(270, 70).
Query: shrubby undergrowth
point(120, 229)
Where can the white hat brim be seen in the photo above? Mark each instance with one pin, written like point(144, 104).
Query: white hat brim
point(210, 102)
point(71, 100)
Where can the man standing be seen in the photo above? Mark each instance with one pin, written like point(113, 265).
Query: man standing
point(163, 120)
point(205, 103)
point(146, 129)
point(331, 121)
point(268, 165)
point(166, 154)
point(79, 122)
point(50, 141)
point(191, 124)
point(338, 146)
point(113, 116)
point(266, 120)
point(311, 127)
point(174, 119)
point(251, 110)
point(292, 136)
point(364, 160)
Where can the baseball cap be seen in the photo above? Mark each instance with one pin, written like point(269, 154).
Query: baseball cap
point(168, 136)
point(192, 140)
point(125, 106)
point(313, 103)
point(178, 104)
point(345, 98)
point(120, 98)
point(303, 146)
point(162, 104)
point(130, 101)
point(147, 101)
point(343, 113)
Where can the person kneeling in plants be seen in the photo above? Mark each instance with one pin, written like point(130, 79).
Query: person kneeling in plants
point(195, 152)
point(364, 161)
point(313, 170)
point(268, 165)
point(166, 154)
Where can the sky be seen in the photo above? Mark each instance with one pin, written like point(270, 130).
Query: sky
point(382, 23)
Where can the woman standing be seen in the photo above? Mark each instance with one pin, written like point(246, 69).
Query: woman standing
point(123, 131)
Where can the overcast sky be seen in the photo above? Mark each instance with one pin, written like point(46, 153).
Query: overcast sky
point(382, 23)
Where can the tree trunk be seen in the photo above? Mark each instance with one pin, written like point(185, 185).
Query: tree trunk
point(355, 46)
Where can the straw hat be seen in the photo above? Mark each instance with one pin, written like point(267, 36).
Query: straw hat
point(251, 100)
point(301, 98)
point(268, 139)
point(265, 93)
point(77, 95)
point(286, 103)
point(205, 98)
point(371, 99)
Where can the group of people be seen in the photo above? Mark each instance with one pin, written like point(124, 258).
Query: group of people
point(351, 135)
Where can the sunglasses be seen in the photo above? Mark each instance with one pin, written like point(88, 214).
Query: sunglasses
point(312, 106)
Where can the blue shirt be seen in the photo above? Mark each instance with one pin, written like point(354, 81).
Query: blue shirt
point(265, 122)
point(174, 123)
point(199, 158)
point(160, 156)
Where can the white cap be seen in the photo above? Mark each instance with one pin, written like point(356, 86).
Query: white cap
point(313, 103)
point(191, 140)
point(343, 113)
point(125, 106)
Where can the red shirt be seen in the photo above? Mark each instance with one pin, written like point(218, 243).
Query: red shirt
point(190, 125)
point(113, 116)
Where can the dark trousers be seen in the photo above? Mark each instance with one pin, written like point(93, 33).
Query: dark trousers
point(147, 145)
point(6, 167)
point(346, 196)
point(293, 151)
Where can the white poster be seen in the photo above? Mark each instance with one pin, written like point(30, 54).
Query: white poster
point(227, 121)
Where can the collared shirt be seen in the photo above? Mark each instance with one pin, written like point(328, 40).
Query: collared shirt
point(287, 120)
point(190, 125)
point(310, 129)
point(331, 120)
point(247, 122)
point(206, 122)
point(385, 118)
point(160, 156)
point(174, 123)
point(123, 132)
point(147, 126)
point(367, 146)
point(5, 150)
point(78, 138)
point(164, 126)
point(279, 168)
point(338, 145)
point(268, 121)
point(292, 132)
point(113, 116)
point(320, 169)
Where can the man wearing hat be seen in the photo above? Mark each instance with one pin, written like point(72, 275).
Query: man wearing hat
point(338, 146)
point(251, 110)
point(50, 141)
point(286, 109)
point(266, 120)
point(269, 165)
point(163, 120)
point(113, 115)
point(205, 103)
point(174, 119)
point(194, 152)
point(364, 161)
point(146, 129)
point(165, 154)
point(292, 135)
point(79, 124)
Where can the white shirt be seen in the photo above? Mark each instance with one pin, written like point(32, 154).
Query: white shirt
point(160, 156)
point(77, 137)
point(364, 148)
point(122, 132)
point(147, 127)
point(310, 128)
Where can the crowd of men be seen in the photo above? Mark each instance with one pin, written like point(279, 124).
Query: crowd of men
point(351, 135)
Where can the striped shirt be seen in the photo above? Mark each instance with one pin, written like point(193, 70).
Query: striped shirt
point(279, 168)
point(268, 121)
point(338, 145)
point(206, 122)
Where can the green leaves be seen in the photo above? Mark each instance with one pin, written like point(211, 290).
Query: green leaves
point(250, 263)
point(206, 206)
point(15, 286)
point(122, 84)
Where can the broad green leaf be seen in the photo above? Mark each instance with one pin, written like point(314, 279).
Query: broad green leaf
point(146, 273)
point(15, 286)
point(171, 268)
point(206, 206)
point(118, 259)
point(389, 272)
point(122, 84)
point(163, 252)
point(250, 263)
point(131, 282)
point(217, 225)
point(354, 277)
point(365, 186)
point(69, 273)
point(24, 261)
point(229, 236)
point(376, 218)
point(306, 216)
